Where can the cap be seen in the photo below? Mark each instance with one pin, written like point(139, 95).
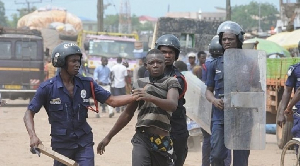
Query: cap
point(192, 55)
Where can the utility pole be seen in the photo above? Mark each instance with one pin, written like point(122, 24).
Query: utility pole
point(259, 16)
point(28, 3)
point(228, 10)
point(100, 13)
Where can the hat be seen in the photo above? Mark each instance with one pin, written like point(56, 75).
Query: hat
point(192, 55)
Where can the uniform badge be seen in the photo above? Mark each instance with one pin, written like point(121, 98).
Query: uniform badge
point(290, 70)
point(55, 57)
point(55, 101)
point(83, 94)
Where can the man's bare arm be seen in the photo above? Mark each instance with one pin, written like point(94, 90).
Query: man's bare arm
point(117, 101)
point(282, 106)
point(29, 124)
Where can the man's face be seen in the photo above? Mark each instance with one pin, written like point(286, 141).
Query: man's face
point(104, 61)
point(202, 59)
point(192, 60)
point(73, 64)
point(229, 40)
point(169, 54)
point(155, 64)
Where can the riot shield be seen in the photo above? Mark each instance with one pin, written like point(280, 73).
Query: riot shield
point(198, 108)
point(244, 99)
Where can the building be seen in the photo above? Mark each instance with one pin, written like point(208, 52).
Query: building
point(89, 25)
point(218, 15)
point(143, 19)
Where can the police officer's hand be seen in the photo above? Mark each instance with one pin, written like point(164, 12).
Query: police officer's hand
point(101, 145)
point(288, 111)
point(218, 103)
point(281, 119)
point(141, 94)
point(34, 141)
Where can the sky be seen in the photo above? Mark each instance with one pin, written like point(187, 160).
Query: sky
point(154, 8)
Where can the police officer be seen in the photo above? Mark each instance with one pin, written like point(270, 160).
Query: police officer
point(292, 83)
point(170, 46)
point(65, 98)
point(230, 36)
point(215, 50)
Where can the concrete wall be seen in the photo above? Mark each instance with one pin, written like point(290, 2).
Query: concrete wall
point(202, 30)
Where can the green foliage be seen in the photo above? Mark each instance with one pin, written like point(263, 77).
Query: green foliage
point(111, 23)
point(16, 16)
point(248, 15)
point(3, 18)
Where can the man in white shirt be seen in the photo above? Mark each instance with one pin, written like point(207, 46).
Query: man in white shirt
point(119, 73)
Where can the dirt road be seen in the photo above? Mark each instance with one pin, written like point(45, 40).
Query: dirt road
point(14, 142)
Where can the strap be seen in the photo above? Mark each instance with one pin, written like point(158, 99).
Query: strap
point(204, 66)
point(95, 101)
point(185, 86)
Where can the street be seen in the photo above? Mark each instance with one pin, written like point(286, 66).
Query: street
point(15, 141)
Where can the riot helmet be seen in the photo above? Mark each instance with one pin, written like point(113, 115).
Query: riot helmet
point(63, 50)
point(169, 40)
point(232, 27)
point(215, 47)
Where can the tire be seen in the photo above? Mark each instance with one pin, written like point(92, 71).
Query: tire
point(284, 133)
point(67, 37)
point(289, 154)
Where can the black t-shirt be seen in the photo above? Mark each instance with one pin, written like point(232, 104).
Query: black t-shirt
point(141, 72)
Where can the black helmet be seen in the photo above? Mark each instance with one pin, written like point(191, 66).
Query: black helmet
point(233, 27)
point(170, 41)
point(214, 46)
point(63, 50)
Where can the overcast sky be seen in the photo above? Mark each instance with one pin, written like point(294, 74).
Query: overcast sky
point(153, 8)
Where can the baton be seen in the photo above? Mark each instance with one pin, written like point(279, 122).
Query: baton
point(56, 156)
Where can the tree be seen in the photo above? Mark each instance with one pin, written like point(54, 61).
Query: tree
point(111, 23)
point(16, 16)
point(3, 18)
point(248, 15)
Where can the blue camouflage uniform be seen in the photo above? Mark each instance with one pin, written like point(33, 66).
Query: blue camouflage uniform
point(215, 79)
point(293, 81)
point(71, 135)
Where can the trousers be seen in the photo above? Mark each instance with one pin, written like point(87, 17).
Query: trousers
point(219, 152)
point(84, 156)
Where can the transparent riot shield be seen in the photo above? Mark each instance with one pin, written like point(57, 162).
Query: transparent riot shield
point(198, 108)
point(244, 99)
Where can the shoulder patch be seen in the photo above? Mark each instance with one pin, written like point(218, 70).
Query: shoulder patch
point(292, 68)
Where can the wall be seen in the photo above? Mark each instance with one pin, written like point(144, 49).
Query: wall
point(202, 30)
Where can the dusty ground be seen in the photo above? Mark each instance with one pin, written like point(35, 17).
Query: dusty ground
point(14, 142)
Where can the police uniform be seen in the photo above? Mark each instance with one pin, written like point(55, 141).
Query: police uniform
point(71, 135)
point(179, 132)
point(215, 79)
point(204, 69)
point(293, 81)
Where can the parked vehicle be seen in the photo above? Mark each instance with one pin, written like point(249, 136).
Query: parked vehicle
point(21, 62)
